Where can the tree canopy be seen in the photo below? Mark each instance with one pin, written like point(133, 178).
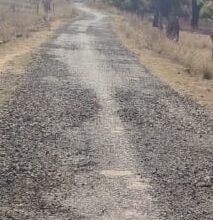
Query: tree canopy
point(182, 7)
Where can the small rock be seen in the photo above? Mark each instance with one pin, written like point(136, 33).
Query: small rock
point(206, 182)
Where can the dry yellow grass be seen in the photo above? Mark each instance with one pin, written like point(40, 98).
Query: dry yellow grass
point(184, 65)
point(14, 57)
point(64, 10)
point(193, 51)
point(16, 24)
point(20, 24)
point(181, 65)
point(16, 54)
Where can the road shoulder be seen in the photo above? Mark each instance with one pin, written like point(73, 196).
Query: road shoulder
point(16, 55)
point(170, 72)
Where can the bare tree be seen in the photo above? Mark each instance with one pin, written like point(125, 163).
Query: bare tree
point(169, 10)
point(212, 45)
point(13, 7)
point(48, 6)
point(196, 7)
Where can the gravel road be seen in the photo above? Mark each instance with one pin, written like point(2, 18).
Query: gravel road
point(90, 134)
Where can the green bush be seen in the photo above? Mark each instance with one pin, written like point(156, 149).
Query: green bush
point(207, 11)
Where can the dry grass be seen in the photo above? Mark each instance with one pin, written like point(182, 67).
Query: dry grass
point(16, 54)
point(64, 10)
point(183, 65)
point(193, 51)
point(20, 24)
point(16, 24)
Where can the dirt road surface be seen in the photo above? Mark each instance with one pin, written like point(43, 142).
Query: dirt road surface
point(90, 134)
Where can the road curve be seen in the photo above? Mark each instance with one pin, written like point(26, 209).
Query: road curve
point(90, 134)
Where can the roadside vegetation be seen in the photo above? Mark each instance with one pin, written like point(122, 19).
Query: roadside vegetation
point(18, 19)
point(193, 49)
point(24, 25)
point(186, 65)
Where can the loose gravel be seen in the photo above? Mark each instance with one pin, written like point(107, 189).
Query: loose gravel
point(90, 134)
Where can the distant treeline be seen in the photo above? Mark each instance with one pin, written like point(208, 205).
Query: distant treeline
point(169, 11)
point(182, 7)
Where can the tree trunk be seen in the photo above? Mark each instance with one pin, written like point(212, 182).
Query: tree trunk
point(37, 8)
point(156, 15)
point(173, 28)
point(195, 13)
point(13, 7)
point(212, 45)
point(156, 18)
